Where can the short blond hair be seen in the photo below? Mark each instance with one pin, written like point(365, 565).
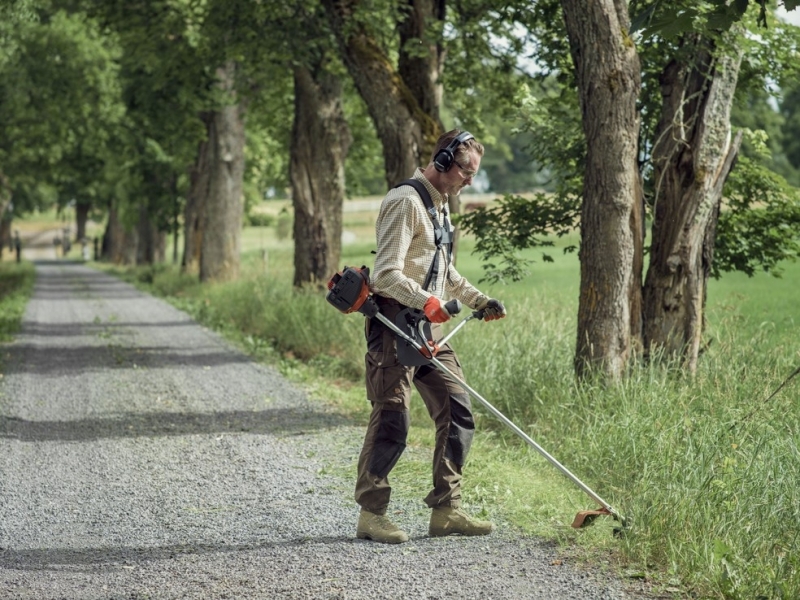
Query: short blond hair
point(462, 152)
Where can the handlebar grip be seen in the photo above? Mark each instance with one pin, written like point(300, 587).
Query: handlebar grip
point(453, 307)
point(479, 314)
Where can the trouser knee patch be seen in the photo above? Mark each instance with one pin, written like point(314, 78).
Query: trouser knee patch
point(462, 429)
point(390, 441)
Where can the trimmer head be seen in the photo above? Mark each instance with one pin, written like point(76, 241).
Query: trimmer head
point(587, 517)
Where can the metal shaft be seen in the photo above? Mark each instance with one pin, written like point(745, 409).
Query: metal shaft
point(505, 420)
point(455, 329)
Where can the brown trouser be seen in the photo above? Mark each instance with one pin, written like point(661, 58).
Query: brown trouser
point(389, 390)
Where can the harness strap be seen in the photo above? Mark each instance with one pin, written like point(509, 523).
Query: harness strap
point(442, 236)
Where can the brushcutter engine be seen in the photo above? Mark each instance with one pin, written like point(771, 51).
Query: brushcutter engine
point(348, 291)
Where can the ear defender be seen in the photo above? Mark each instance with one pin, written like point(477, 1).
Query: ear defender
point(444, 159)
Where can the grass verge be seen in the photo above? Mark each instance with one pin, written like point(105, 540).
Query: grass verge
point(16, 286)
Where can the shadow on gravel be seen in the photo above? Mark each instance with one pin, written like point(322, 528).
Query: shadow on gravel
point(74, 360)
point(61, 262)
point(41, 559)
point(279, 421)
point(101, 329)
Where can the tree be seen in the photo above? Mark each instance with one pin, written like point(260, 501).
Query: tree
point(607, 73)
point(405, 113)
point(320, 138)
point(693, 154)
point(685, 154)
point(60, 108)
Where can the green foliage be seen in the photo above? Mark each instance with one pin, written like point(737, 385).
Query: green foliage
point(670, 19)
point(748, 238)
point(16, 287)
point(60, 106)
point(517, 223)
point(759, 225)
point(255, 219)
point(364, 168)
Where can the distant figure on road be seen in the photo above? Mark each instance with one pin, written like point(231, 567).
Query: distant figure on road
point(66, 244)
point(18, 245)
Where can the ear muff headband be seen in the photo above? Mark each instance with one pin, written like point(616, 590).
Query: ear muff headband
point(443, 161)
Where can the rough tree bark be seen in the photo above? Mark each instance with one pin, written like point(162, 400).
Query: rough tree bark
point(319, 146)
point(194, 212)
point(406, 131)
point(608, 77)
point(219, 254)
point(692, 157)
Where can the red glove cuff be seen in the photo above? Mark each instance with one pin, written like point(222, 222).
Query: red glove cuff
point(435, 311)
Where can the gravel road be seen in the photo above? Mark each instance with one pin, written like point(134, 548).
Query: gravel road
point(141, 456)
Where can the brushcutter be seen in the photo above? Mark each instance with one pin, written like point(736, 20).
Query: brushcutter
point(348, 291)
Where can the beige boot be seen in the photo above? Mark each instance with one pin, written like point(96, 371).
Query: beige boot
point(379, 528)
point(446, 520)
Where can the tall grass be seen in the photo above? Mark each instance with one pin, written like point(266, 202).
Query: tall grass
point(705, 471)
point(16, 285)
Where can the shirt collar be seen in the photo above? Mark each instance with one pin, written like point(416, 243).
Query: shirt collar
point(438, 200)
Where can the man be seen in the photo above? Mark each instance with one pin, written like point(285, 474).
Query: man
point(413, 270)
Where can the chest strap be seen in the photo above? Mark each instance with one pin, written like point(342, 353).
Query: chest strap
point(442, 235)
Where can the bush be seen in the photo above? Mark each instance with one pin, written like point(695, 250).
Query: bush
point(260, 220)
point(283, 228)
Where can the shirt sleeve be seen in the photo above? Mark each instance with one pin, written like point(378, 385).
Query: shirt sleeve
point(458, 287)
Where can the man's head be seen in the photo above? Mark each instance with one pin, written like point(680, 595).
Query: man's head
point(455, 161)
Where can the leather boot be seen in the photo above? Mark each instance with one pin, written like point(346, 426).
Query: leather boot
point(446, 520)
point(379, 528)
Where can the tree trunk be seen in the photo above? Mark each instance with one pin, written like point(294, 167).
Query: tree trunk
point(151, 241)
point(320, 142)
point(608, 77)
point(421, 58)
point(692, 157)
point(5, 235)
point(81, 216)
point(5, 203)
point(407, 132)
point(194, 215)
point(420, 66)
point(121, 242)
point(220, 247)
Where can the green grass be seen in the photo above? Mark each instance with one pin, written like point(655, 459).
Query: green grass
point(709, 487)
point(16, 286)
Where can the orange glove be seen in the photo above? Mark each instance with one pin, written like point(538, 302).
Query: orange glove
point(435, 311)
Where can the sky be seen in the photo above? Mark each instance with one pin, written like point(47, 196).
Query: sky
point(792, 16)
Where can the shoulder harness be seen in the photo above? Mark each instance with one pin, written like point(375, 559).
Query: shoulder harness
point(442, 235)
